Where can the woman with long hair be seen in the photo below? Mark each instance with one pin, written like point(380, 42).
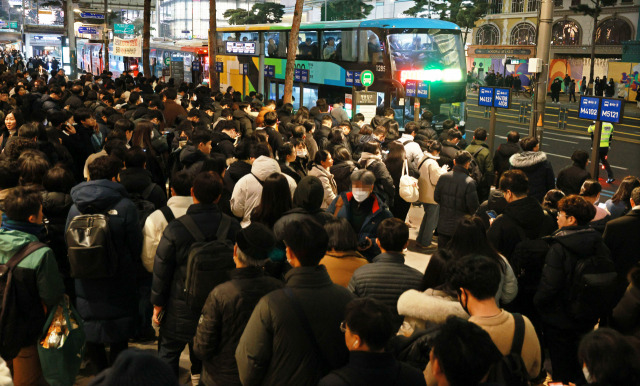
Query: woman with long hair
point(608, 358)
point(275, 200)
point(619, 204)
point(142, 138)
point(12, 121)
point(320, 168)
point(371, 159)
point(394, 163)
point(430, 173)
point(342, 168)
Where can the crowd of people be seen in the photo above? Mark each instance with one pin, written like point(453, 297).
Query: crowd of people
point(271, 243)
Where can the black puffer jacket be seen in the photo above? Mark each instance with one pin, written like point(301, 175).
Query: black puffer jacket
point(525, 213)
point(551, 297)
point(457, 195)
point(448, 153)
point(571, 178)
point(170, 270)
point(496, 203)
point(136, 180)
point(502, 155)
point(342, 174)
point(224, 317)
point(383, 186)
point(538, 169)
point(192, 159)
point(55, 206)
point(234, 173)
point(223, 144)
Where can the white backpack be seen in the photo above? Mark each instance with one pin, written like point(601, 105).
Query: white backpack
point(408, 185)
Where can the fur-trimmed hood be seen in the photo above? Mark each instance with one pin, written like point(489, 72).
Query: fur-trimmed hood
point(429, 306)
point(527, 159)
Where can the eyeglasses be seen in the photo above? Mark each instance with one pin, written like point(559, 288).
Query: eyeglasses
point(343, 326)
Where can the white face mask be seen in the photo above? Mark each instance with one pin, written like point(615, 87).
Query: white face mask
point(587, 376)
point(195, 98)
point(360, 194)
point(301, 153)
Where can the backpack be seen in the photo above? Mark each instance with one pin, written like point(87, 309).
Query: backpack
point(92, 253)
point(208, 262)
point(143, 205)
point(527, 261)
point(474, 168)
point(592, 287)
point(510, 369)
point(13, 333)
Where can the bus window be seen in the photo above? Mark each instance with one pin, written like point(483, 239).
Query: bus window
point(372, 51)
point(275, 44)
point(307, 45)
point(220, 48)
point(340, 46)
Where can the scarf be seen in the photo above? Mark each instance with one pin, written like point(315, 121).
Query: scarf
point(37, 230)
point(369, 158)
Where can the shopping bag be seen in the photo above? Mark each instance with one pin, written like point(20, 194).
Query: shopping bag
point(408, 189)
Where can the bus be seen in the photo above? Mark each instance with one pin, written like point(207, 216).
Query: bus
point(395, 50)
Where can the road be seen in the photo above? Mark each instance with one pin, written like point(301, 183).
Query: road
point(560, 143)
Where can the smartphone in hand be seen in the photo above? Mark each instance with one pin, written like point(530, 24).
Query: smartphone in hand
point(492, 214)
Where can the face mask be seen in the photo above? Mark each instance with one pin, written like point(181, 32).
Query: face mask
point(587, 376)
point(360, 194)
point(301, 153)
point(195, 98)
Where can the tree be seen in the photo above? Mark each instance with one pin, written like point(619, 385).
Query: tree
point(469, 15)
point(214, 79)
point(465, 13)
point(594, 9)
point(146, 37)
point(260, 13)
point(346, 10)
point(291, 52)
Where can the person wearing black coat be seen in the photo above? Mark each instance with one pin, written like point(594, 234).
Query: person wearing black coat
point(223, 138)
point(229, 306)
point(246, 120)
point(135, 178)
point(571, 178)
point(450, 148)
point(341, 171)
point(504, 152)
point(536, 166)
point(178, 326)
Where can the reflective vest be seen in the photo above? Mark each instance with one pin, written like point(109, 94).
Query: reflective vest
point(605, 137)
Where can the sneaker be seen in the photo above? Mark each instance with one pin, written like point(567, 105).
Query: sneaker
point(610, 180)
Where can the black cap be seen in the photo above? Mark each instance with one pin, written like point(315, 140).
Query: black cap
point(256, 241)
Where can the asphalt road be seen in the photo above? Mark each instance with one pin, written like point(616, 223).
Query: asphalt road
point(560, 143)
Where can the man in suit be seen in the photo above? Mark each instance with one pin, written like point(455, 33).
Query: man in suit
point(621, 237)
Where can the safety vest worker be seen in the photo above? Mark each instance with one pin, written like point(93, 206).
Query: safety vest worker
point(606, 136)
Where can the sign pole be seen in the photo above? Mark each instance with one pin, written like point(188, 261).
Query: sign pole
point(244, 86)
point(595, 150)
point(416, 109)
point(71, 33)
point(492, 129)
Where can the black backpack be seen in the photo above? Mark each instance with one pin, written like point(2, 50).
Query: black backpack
point(143, 205)
point(510, 369)
point(592, 287)
point(527, 261)
point(209, 262)
point(92, 254)
point(474, 168)
point(13, 326)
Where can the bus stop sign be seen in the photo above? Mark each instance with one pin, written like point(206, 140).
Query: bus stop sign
point(366, 78)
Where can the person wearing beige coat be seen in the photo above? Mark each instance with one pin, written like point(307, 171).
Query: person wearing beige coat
point(430, 173)
point(320, 169)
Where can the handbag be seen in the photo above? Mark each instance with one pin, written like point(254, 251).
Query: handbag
point(62, 346)
point(408, 189)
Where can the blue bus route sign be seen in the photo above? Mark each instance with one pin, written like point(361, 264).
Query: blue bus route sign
point(611, 110)
point(589, 108)
point(485, 97)
point(410, 87)
point(502, 98)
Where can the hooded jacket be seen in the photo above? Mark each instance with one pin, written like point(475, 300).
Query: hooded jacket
point(430, 173)
point(248, 190)
point(457, 195)
point(502, 155)
point(571, 178)
point(431, 306)
point(224, 144)
point(538, 170)
point(342, 174)
point(108, 306)
point(328, 183)
point(192, 158)
point(136, 180)
point(525, 213)
point(568, 245)
point(247, 122)
point(383, 186)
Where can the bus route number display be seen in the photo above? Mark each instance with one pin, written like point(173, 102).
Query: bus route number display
point(246, 48)
point(611, 110)
point(589, 108)
point(502, 98)
point(485, 97)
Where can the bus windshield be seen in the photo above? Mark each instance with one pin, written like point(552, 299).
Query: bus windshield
point(432, 55)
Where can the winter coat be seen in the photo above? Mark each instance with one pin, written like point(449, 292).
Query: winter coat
point(374, 368)
point(571, 178)
point(412, 149)
point(275, 348)
point(247, 122)
point(538, 169)
point(192, 159)
point(328, 183)
point(248, 190)
point(457, 195)
point(155, 225)
point(430, 306)
point(136, 180)
point(385, 280)
point(383, 186)
point(36, 280)
point(49, 104)
point(484, 161)
point(626, 314)
point(55, 207)
point(525, 213)
point(430, 173)
point(224, 317)
point(369, 229)
point(171, 111)
point(448, 153)
point(502, 155)
point(109, 306)
point(286, 168)
point(74, 102)
point(234, 173)
point(551, 297)
point(338, 114)
point(275, 138)
point(342, 265)
point(621, 236)
point(170, 270)
point(223, 144)
point(342, 174)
